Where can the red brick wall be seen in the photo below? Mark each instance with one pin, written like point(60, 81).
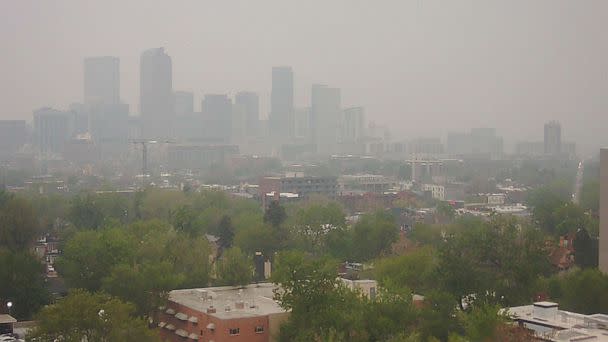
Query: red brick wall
point(221, 332)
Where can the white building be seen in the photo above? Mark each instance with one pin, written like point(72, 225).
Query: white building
point(551, 324)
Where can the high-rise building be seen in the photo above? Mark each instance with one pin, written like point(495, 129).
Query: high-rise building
point(302, 123)
point(281, 104)
point(217, 112)
point(553, 138)
point(12, 135)
point(156, 93)
point(249, 102)
point(325, 116)
point(353, 126)
point(603, 243)
point(52, 128)
point(101, 80)
point(183, 102)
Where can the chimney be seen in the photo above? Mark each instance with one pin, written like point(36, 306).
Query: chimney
point(211, 309)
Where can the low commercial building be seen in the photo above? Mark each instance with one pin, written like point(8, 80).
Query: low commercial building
point(366, 182)
point(551, 324)
point(296, 183)
point(436, 191)
point(222, 314)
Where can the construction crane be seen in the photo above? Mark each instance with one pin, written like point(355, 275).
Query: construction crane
point(144, 152)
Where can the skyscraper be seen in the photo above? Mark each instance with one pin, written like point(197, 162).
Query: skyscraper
point(156, 93)
point(325, 116)
point(603, 248)
point(217, 110)
point(183, 102)
point(281, 104)
point(353, 125)
point(250, 104)
point(101, 80)
point(52, 128)
point(553, 138)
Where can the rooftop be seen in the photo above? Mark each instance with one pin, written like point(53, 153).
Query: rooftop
point(562, 325)
point(257, 300)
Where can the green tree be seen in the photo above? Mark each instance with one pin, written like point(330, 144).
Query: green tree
point(569, 218)
point(586, 249)
point(94, 317)
point(320, 304)
point(314, 221)
point(257, 237)
point(590, 196)
point(18, 224)
point(22, 282)
point(275, 215)
point(416, 271)
point(583, 291)
point(146, 285)
point(545, 203)
point(373, 235)
point(184, 220)
point(90, 255)
point(482, 323)
point(85, 213)
point(226, 232)
point(235, 268)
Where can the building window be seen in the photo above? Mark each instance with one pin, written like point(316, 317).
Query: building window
point(234, 331)
point(259, 329)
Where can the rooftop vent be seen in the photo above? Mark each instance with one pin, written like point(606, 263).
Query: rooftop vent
point(239, 305)
point(211, 309)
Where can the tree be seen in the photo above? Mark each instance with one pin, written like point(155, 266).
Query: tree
point(321, 306)
point(416, 271)
point(90, 255)
point(314, 221)
point(590, 196)
point(22, 282)
point(482, 323)
point(184, 220)
point(445, 212)
point(569, 218)
point(91, 317)
point(545, 203)
point(373, 235)
point(146, 285)
point(84, 212)
point(583, 291)
point(18, 224)
point(275, 215)
point(257, 237)
point(586, 249)
point(235, 268)
point(226, 232)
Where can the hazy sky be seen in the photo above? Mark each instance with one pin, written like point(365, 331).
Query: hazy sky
point(423, 67)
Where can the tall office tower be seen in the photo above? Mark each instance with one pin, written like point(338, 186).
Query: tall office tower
point(353, 127)
point(484, 141)
point(217, 110)
point(553, 138)
point(302, 123)
point(183, 102)
point(156, 93)
point(52, 128)
point(101, 80)
point(281, 104)
point(12, 135)
point(603, 250)
point(325, 115)
point(250, 104)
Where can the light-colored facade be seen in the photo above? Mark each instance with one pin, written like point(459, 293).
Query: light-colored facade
point(325, 117)
point(551, 324)
point(156, 93)
point(101, 80)
point(437, 191)
point(280, 120)
point(603, 250)
point(553, 138)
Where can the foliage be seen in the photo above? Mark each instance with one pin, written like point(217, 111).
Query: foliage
point(275, 215)
point(94, 317)
point(590, 196)
point(312, 223)
point(226, 232)
point(416, 271)
point(582, 291)
point(586, 249)
point(22, 282)
point(373, 235)
point(18, 224)
point(234, 268)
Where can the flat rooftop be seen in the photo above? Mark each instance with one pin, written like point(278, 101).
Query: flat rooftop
point(566, 325)
point(257, 299)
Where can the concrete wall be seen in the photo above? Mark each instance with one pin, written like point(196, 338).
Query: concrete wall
point(603, 255)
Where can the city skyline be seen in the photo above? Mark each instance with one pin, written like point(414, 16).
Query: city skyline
point(513, 77)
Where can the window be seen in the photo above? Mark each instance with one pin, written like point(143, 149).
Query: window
point(234, 331)
point(259, 329)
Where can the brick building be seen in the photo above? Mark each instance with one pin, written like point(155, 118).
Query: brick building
point(222, 314)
